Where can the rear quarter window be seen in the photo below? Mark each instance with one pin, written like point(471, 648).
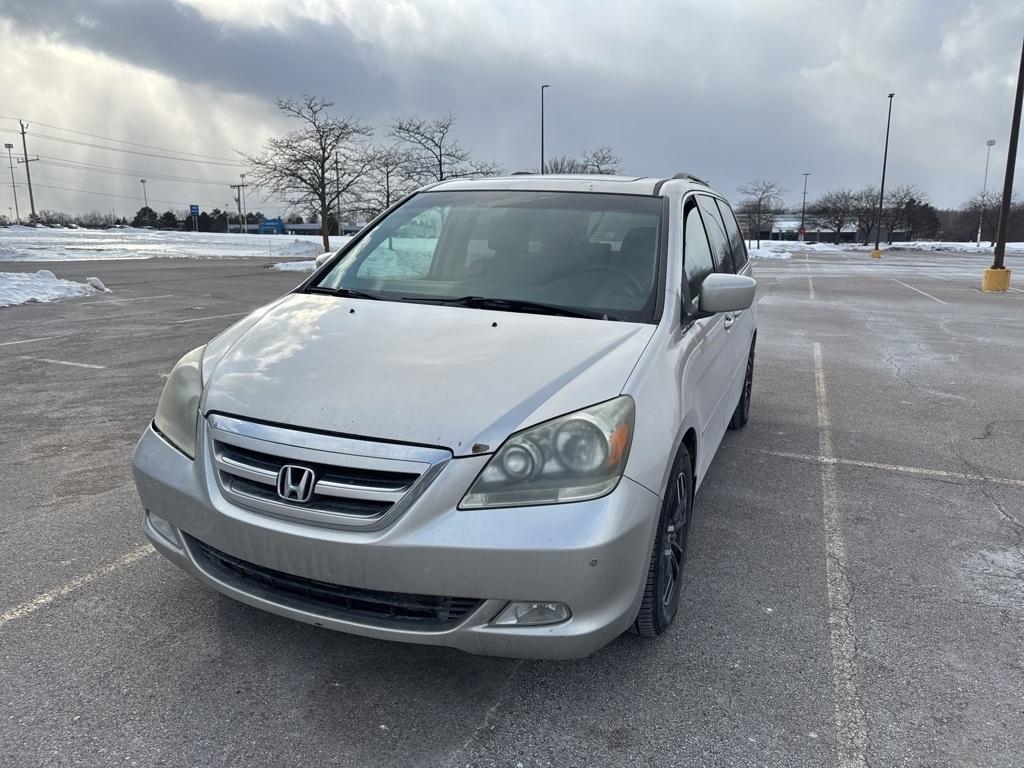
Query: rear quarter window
point(732, 229)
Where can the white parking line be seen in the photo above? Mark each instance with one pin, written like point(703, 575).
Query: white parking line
point(918, 290)
point(898, 468)
point(851, 730)
point(211, 317)
point(64, 362)
point(33, 605)
point(25, 341)
point(120, 301)
point(810, 285)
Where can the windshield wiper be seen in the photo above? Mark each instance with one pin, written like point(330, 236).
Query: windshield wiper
point(520, 305)
point(348, 293)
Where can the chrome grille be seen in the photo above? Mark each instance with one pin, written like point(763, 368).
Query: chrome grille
point(357, 483)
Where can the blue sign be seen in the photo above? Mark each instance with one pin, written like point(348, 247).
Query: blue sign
point(271, 227)
point(193, 210)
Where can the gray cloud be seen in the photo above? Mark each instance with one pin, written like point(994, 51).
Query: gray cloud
point(732, 90)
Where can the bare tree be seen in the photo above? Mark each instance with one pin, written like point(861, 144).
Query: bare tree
point(762, 201)
point(982, 209)
point(865, 211)
point(834, 210)
point(601, 160)
point(898, 202)
point(390, 179)
point(564, 164)
point(316, 166)
point(434, 153)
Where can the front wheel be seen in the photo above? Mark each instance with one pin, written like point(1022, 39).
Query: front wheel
point(742, 413)
point(664, 576)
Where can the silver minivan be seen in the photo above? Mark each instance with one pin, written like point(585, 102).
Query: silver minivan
point(480, 424)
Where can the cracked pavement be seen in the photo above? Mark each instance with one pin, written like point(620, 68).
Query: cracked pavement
point(141, 665)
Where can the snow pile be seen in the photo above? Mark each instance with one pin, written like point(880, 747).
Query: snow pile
point(30, 287)
point(294, 266)
point(45, 244)
point(785, 246)
point(768, 253)
point(938, 245)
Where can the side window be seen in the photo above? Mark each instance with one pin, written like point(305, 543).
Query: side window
point(409, 251)
point(732, 229)
point(716, 233)
point(697, 261)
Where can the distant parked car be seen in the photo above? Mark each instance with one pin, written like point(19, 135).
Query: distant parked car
point(479, 424)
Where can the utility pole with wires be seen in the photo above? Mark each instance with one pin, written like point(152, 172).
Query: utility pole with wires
point(14, 187)
point(28, 174)
point(238, 201)
point(145, 200)
point(244, 213)
point(803, 207)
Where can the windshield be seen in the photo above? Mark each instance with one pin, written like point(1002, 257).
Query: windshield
point(584, 254)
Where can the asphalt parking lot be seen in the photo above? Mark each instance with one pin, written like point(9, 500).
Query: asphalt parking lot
point(854, 592)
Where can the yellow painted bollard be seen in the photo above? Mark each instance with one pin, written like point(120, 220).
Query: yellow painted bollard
point(995, 280)
point(876, 253)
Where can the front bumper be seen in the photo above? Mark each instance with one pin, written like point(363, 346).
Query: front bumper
point(593, 555)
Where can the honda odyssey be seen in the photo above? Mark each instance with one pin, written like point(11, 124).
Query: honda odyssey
point(480, 424)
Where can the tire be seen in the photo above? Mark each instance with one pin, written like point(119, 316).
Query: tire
point(741, 415)
point(664, 574)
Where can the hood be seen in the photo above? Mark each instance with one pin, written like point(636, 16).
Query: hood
point(444, 376)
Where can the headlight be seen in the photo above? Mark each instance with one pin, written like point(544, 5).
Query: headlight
point(178, 411)
point(572, 458)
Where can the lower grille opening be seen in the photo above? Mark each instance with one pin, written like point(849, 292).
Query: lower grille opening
point(367, 606)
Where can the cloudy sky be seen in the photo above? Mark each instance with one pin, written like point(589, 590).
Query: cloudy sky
point(730, 90)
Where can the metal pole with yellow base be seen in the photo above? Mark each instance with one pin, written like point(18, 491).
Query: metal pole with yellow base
point(996, 279)
point(876, 252)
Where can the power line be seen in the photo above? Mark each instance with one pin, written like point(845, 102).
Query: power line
point(46, 137)
point(60, 162)
point(129, 143)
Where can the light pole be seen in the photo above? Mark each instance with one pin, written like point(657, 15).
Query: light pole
point(877, 253)
point(542, 126)
point(997, 277)
point(984, 187)
point(14, 188)
point(803, 207)
point(145, 200)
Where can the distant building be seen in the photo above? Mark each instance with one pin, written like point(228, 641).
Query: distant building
point(787, 227)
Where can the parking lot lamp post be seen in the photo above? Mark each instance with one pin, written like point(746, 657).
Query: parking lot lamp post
point(14, 188)
point(984, 187)
point(877, 252)
point(542, 126)
point(803, 207)
point(997, 277)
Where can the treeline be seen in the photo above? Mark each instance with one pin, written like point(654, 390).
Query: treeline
point(905, 214)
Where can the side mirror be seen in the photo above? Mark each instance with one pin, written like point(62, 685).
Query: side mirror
point(323, 257)
point(726, 293)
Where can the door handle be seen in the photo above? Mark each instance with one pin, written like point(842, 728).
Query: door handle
point(729, 320)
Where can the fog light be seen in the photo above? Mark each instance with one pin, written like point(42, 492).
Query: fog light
point(164, 528)
point(532, 614)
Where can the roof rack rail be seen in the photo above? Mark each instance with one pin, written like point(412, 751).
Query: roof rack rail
point(523, 173)
point(690, 177)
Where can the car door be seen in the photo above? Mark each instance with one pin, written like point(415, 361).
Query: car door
point(736, 341)
point(708, 372)
point(743, 322)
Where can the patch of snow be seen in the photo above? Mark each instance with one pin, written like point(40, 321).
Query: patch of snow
point(939, 245)
point(95, 282)
point(19, 243)
point(783, 246)
point(294, 266)
point(767, 253)
point(30, 287)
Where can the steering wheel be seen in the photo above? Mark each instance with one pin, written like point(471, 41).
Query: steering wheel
point(625, 277)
